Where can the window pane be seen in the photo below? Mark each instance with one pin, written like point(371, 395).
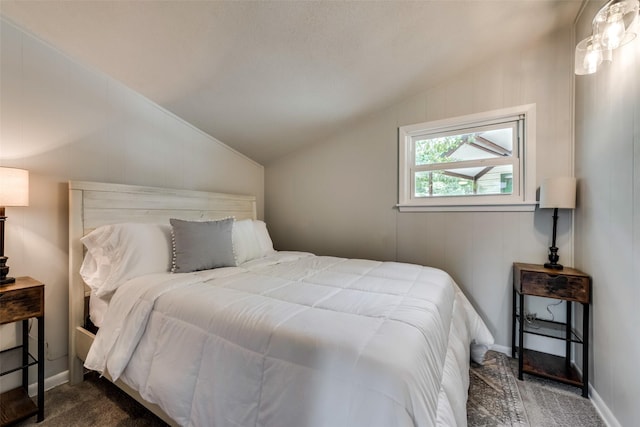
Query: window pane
point(482, 144)
point(441, 183)
point(499, 180)
point(464, 181)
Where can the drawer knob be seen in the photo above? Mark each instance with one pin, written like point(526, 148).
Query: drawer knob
point(557, 282)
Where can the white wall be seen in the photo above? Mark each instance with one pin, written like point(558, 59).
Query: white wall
point(337, 197)
point(608, 220)
point(62, 121)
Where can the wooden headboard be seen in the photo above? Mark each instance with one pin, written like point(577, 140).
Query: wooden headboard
point(92, 204)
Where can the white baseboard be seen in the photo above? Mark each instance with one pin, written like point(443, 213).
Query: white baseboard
point(602, 408)
point(501, 349)
point(50, 382)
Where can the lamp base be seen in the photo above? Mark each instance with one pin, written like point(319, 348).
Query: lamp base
point(553, 256)
point(553, 266)
point(7, 281)
point(4, 270)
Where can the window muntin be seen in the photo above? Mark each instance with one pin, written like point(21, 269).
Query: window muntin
point(476, 160)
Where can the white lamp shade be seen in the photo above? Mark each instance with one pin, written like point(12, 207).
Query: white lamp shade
point(558, 192)
point(14, 187)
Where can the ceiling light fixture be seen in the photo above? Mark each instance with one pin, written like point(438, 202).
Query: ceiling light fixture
point(615, 25)
point(588, 56)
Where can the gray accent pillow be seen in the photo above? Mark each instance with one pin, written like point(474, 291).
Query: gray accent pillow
point(202, 245)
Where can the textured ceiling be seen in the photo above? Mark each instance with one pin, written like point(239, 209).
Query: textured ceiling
point(267, 77)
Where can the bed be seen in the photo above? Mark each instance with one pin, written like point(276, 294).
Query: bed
point(270, 338)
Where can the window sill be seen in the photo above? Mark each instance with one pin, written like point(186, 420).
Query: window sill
point(512, 207)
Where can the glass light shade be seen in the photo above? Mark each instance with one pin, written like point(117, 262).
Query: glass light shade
point(616, 23)
point(588, 57)
point(612, 31)
point(558, 192)
point(14, 187)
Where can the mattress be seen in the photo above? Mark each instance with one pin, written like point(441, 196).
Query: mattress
point(294, 339)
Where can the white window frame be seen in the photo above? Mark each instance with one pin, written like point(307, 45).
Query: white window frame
point(523, 197)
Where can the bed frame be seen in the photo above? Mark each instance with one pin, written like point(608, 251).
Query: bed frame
point(92, 204)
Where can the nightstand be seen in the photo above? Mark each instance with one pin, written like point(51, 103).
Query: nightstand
point(569, 285)
point(21, 301)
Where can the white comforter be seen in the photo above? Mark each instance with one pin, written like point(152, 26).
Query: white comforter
point(295, 340)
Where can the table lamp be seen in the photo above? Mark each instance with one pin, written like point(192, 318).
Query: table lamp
point(14, 191)
point(557, 193)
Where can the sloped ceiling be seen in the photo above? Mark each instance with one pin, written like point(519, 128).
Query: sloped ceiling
point(267, 77)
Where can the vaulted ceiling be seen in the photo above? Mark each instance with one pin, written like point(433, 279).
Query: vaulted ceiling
point(267, 77)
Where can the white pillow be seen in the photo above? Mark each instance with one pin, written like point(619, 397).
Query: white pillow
point(245, 241)
point(119, 252)
point(264, 240)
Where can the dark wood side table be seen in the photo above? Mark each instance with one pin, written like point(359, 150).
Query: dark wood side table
point(21, 301)
point(569, 285)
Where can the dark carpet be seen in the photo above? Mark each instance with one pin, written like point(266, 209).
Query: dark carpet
point(95, 402)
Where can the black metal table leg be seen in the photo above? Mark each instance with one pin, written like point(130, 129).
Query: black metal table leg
point(521, 339)
point(567, 350)
point(25, 354)
point(585, 350)
point(513, 325)
point(41, 359)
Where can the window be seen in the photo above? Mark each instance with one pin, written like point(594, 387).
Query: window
point(483, 161)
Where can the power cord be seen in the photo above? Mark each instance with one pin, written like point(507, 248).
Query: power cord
point(531, 318)
point(551, 312)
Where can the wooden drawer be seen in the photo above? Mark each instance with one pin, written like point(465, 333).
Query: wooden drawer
point(20, 304)
point(568, 284)
point(556, 286)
